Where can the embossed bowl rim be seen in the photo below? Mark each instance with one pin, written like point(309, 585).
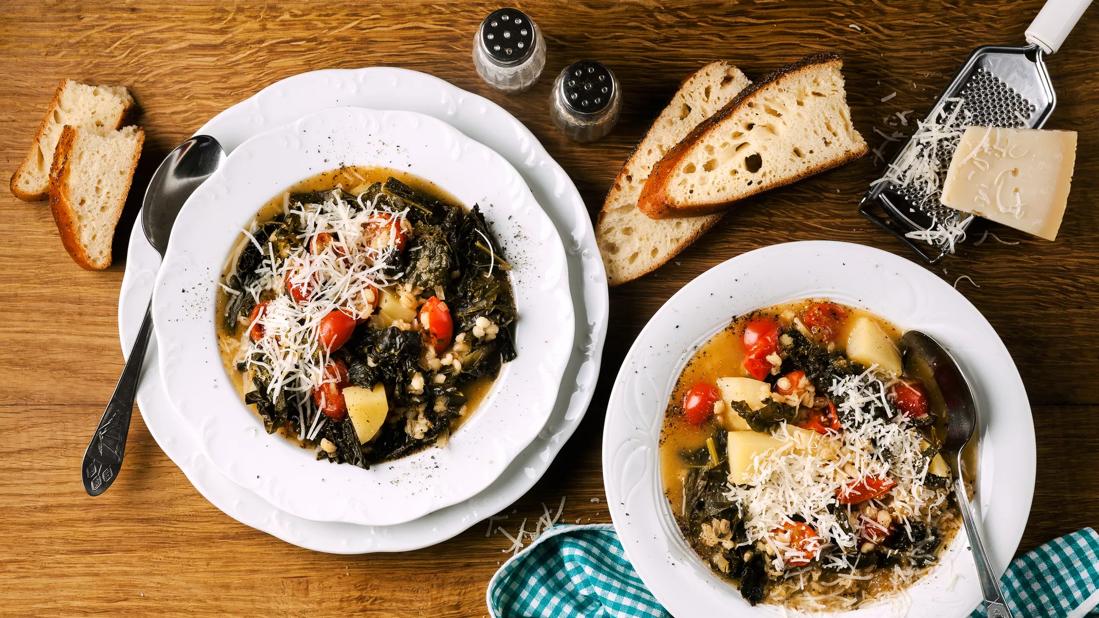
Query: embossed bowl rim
point(887, 285)
point(280, 472)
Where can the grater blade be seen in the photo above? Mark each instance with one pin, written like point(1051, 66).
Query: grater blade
point(997, 86)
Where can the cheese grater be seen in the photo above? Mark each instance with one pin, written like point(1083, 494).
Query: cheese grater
point(997, 86)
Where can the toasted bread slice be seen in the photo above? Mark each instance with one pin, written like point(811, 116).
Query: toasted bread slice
point(76, 104)
point(631, 243)
point(89, 181)
point(793, 124)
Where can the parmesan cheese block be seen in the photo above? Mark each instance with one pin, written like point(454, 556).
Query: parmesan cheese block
point(1017, 177)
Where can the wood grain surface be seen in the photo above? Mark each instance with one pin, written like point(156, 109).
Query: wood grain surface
point(153, 545)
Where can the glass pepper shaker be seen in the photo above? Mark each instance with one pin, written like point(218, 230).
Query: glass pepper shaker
point(508, 50)
point(585, 100)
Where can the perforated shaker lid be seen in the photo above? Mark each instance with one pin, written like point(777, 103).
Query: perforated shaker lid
point(588, 86)
point(508, 36)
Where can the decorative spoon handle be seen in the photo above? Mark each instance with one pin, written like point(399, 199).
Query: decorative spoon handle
point(994, 597)
point(103, 459)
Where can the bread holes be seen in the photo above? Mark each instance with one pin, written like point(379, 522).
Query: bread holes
point(690, 168)
point(629, 177)
point(706, 93)
point(740, 146)
point(753, 163)
point(772, 111)
point(771, 129)
point(709, 165)
point(633, 257)
point(726, 80)
point(627, 231)
point(709, 149)
point(653, 252)
point(749, 126)
point(611, 247)
point(798, 153)
point(737, 135)
point(817, 93)
point(684, 111)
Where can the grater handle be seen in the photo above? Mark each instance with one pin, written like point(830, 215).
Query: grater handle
point(1053, 23)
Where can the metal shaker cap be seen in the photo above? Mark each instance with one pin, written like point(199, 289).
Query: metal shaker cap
point(507, 36)
point(587, 87)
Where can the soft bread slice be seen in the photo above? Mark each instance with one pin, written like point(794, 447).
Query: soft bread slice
point(89, 181)
point(631, 243)
point(793, 124)
point(75, 104)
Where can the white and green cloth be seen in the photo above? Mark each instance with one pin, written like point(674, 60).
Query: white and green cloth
point(583, 571)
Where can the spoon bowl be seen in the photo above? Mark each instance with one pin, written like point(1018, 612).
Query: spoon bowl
point(181, 172)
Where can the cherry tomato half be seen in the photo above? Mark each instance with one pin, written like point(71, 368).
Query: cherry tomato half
point(824, 319)
point(761, 334)
point(871, 530)
point(803, 541)
point(869, 488)
point(698, 403)
point(383, 231)
point(437, 323)
point(760, 339)
point(790, 386)
point(910, 398)
point(329, 394)
point(300, 292)
point(822, 420)
point(255, 332)
point(335, 329)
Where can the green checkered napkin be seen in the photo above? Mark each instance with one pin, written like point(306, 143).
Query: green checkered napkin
point(582, 571)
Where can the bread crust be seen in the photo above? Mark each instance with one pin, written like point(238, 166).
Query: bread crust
point(654, 200)
point(31, 153)
point(61, 206)
point(616, 188)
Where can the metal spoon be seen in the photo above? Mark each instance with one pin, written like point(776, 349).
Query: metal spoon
point(181, 172)
point(932, 360)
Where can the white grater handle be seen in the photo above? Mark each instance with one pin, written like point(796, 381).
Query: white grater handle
point(1053, 23)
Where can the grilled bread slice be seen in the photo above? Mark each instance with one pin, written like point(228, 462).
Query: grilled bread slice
point(75, 104)
point(89, 181)
point(792, 124)
point(631, 243)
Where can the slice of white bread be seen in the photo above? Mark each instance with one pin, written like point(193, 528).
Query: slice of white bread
point(792, 124)
point(75, 104)
point(631, 243)
point(89, 181)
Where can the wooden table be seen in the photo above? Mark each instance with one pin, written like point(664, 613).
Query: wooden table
point(152, 544)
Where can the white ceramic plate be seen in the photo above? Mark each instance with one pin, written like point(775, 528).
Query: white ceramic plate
point(892, 287)
point(389, 88)
point(284, 474)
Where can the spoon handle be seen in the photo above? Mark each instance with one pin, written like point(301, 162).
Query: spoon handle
point(103, 459)
point(994, 597)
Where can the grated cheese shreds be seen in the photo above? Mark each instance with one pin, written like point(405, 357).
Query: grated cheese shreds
point(921, 170)
point(345, 274)
point(876, 442)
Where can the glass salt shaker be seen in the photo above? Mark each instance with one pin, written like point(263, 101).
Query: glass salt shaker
point(508, 50)
point(585, 100)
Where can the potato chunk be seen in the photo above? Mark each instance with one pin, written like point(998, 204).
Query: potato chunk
point(367, 409)
point(869, 345)
point(753, 393)
point(391, 310)
point(744, 447)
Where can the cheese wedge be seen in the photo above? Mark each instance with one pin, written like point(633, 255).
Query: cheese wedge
point(1016, 177)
